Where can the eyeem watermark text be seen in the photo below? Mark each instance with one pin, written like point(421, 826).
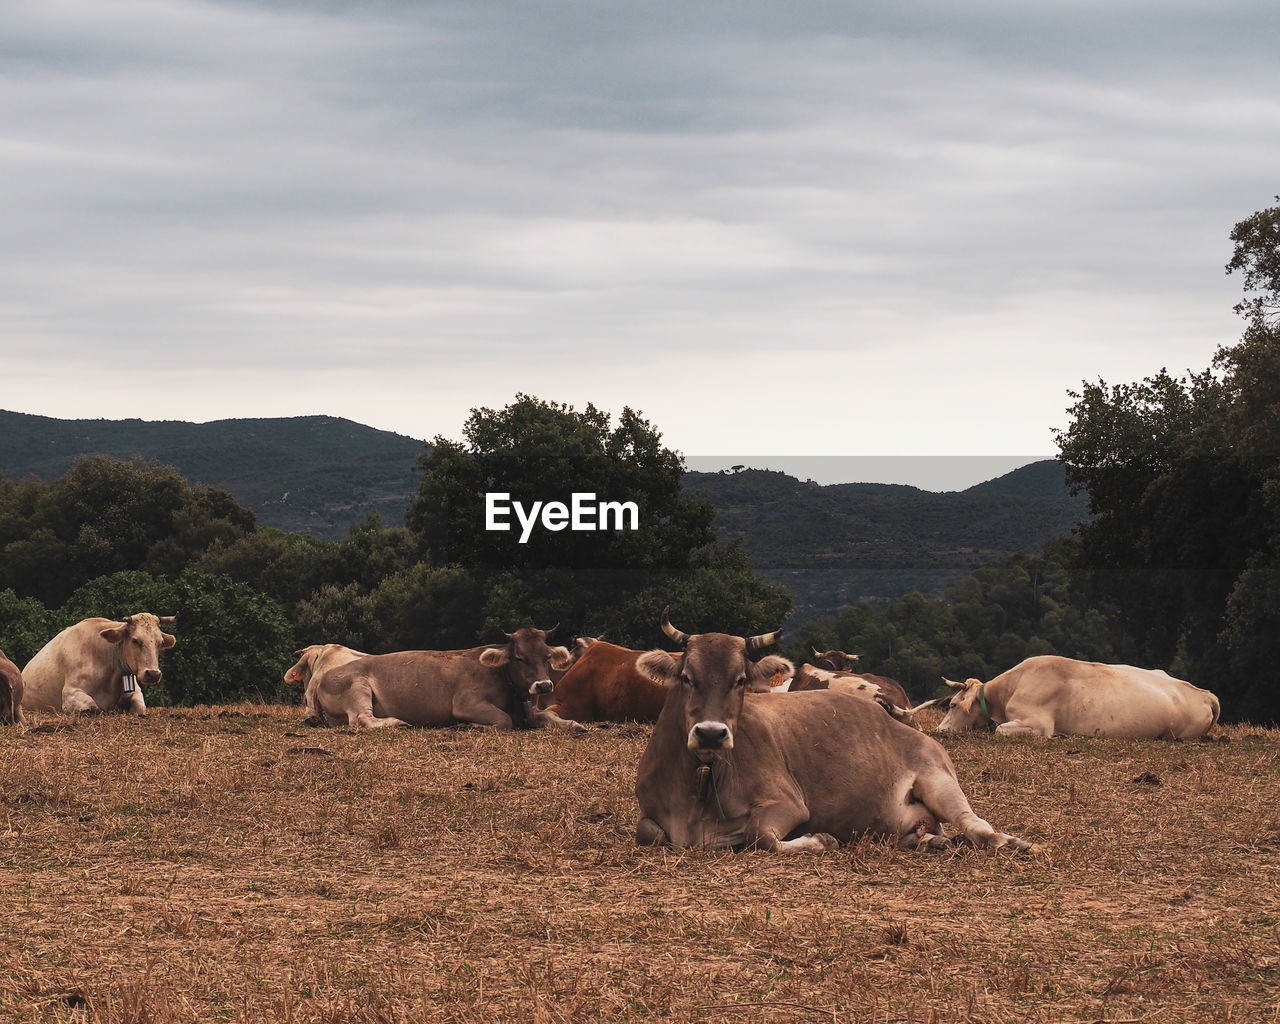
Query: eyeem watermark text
point(583, 513)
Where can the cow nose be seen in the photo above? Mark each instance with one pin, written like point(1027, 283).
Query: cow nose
point(151, 676)
point(711, 735)
point(542, 686)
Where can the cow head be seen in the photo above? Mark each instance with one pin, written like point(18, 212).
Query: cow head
point(300, 672)
point(834, 661)
point(139, 642)
point(579, 648)
point(527, 661)
point(713, 678)
point(965, 711)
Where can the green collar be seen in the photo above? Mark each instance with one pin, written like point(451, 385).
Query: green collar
point(115, 649)
point(982, 703)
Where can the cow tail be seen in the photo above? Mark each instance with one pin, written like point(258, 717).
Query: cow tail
point(1217, 710)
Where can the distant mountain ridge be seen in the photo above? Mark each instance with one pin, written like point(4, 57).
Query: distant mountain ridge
point(839, 544)
point(831, 545)
point(305, 474)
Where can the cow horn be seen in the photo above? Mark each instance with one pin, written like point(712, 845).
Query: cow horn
point(548, 632)
point(671, 631)
point(953, 684)
point(754, 643)
point(816, 653)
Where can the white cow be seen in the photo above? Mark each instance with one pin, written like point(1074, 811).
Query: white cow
point(313, 662)
point(1053, 696)
point(98, 665)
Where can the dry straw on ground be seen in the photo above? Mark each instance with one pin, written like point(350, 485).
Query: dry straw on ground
point(233, 865)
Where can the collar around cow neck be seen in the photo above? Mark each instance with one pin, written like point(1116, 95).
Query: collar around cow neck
point(115, 649)
point(982, 703)
point(707, 784)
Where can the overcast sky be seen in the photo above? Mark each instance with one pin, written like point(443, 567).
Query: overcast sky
point(806, 229)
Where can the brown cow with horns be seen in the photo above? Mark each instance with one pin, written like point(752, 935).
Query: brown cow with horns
point(791, 772)
point(491, 686)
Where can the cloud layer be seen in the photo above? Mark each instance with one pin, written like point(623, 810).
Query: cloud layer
point(775, 230)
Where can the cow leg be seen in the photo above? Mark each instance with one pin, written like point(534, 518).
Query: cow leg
point(544, 718)
point(770, 823)
point(813, 842)
point(939, 794)
point(78, 702)
point(1023, 727)
point(133, 703)
point(650, 833)
point(368, 720)
point(359, 709)
point(476, 711)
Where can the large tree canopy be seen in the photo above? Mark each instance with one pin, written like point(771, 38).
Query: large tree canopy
point(106, 515)
point(614, 581)
point(1183, 476)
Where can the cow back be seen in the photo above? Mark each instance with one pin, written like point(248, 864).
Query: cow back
point(604, 685)
point(1090, 698)
point(418, 687)
point(79, 654)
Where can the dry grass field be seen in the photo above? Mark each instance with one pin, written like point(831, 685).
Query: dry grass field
point(231, 864)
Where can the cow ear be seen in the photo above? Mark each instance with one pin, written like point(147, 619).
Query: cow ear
point(167, 640)
point(772, 664)
point(659, 666)
point(492, 657)
point(559, 656)
point(114, 634)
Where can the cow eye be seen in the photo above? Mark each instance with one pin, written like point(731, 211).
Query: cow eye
point(137, 641)
point(740, 681)
point(685, 679)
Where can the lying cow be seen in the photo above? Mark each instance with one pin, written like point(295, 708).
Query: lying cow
point(491, 685)
point(10, 692)
point(312, 663)
point(98, 665)
point(811, 677)
point(605, 686)
point(1052, 696)
point(786, 772)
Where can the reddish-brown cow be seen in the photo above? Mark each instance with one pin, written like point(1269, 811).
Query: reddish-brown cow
point(605, 686)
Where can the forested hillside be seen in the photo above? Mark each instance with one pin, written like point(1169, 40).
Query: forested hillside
point(832, 546)
point(837, 545)
point(304, 474)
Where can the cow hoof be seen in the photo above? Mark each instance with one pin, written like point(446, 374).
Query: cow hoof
point(579, 729)
point(1014, 844)
point(826, 840)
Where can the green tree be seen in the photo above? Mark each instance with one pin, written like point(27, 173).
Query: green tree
point(1182, 477)
point(993, 619)
point(611, 581)
point(25, 627)
point(106, 515)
